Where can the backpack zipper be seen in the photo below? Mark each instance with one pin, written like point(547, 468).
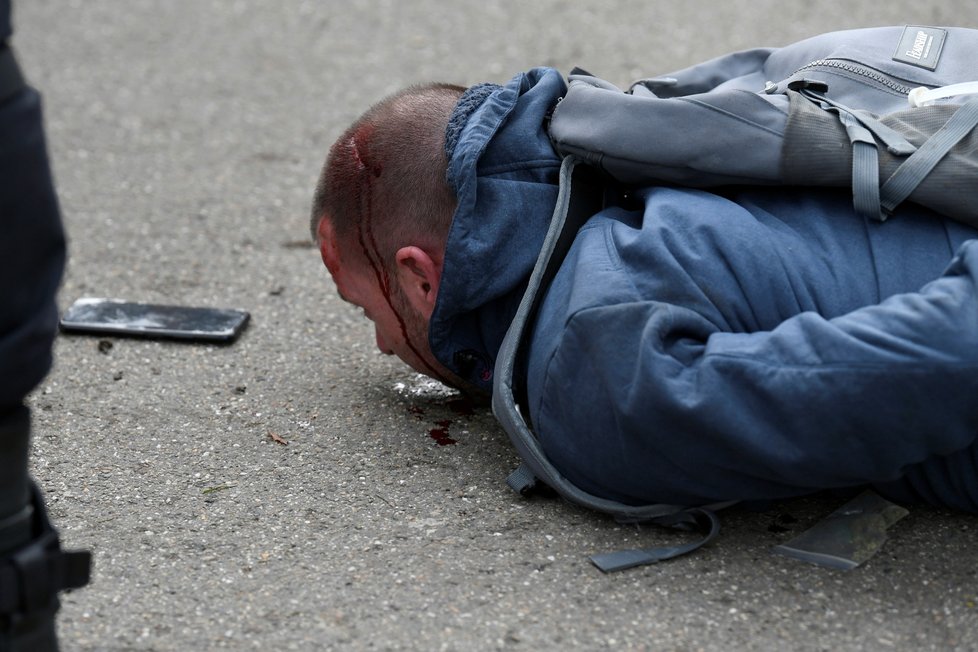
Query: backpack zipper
point(863, 71)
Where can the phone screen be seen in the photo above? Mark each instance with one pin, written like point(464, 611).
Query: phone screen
point(115, 317)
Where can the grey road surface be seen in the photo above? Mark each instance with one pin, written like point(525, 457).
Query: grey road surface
point(186, 137)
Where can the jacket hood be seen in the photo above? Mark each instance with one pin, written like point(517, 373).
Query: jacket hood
point(504, 171)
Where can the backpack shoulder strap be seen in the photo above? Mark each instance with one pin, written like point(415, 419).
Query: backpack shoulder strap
point(580, 196)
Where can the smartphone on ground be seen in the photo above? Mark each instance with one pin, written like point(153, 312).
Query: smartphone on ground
point(116, 317)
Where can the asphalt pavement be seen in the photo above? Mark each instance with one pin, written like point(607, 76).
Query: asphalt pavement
point(296, 490)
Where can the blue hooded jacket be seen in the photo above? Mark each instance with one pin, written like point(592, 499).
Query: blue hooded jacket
point(504, 171)
point(698, 347)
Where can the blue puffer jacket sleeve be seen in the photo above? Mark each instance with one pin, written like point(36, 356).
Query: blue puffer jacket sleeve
point(758, 363)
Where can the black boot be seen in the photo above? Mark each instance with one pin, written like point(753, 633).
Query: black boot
point(33, 568)
point(15, 428)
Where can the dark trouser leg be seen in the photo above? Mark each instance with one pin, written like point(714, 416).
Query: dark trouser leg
point(14, 489)
point(33, 568)
point(26, 623)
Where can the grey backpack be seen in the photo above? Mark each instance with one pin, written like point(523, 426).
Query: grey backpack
point(890, 111)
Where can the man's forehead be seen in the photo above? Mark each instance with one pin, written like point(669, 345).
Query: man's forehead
point(328, 247)
point(331, 258)
point(339, 281)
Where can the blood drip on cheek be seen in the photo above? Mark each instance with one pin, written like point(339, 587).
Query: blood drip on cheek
point(365, 234)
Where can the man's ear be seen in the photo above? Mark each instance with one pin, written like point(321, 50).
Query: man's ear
point(419, 275)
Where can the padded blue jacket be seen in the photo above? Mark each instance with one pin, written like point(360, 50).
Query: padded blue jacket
point(698, 347)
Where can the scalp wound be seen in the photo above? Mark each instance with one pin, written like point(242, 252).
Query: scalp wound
point(361, 152)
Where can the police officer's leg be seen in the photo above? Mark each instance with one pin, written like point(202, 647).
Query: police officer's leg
point(25, 623)
point(33, 568)
point(14, 491)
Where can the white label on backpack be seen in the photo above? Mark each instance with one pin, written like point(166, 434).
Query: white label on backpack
point(921, 46)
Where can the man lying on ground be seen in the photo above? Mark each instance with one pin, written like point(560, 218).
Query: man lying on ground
point(695, 346)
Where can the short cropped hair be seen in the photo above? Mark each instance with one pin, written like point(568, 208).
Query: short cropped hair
point(384, 178)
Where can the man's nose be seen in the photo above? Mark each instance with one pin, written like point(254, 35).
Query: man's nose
point(382, 343)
